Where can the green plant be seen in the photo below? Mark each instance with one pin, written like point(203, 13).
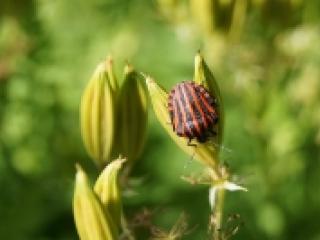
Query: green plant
point(107, 188)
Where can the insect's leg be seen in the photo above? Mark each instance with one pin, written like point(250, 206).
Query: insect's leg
point(193, 154)
point(191, 144)
point(216, 120)
point(212, 132)
point(190, 160)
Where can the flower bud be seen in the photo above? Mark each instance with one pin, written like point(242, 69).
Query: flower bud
point(132, 115)
point(108, 190)
point(97, 114)
point(205, 152)
point(93, 222)
point(203, 76)
point(159, 99)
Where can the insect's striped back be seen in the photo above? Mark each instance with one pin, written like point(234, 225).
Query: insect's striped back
point(192, 110)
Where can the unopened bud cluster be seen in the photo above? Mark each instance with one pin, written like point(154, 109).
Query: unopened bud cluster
point(97, 212)
point(112, 118)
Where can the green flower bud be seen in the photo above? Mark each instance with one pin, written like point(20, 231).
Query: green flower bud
point(97, 114)
point(108, 190)
point(203, 75)
point(132, 115)
point(93, 222)
point(206, 152)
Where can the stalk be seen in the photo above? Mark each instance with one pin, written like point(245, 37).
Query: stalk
point(218, 214)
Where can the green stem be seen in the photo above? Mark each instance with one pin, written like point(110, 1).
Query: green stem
point(218, 214)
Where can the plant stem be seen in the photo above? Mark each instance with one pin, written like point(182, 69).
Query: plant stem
point(218, 214)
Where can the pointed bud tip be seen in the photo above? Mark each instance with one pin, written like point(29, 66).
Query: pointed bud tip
point(78, 167)
point(198, 58)
point(120, 161)
point(104, 65)
point(128, 68)
point(80, 174)
point(149, 80)
point(101, 67)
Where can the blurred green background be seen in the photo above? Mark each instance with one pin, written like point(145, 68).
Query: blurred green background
point(266, 58)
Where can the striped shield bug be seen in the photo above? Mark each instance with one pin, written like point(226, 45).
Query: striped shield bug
point(193, 112)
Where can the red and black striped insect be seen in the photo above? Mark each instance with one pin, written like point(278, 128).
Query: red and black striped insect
point(193, 111)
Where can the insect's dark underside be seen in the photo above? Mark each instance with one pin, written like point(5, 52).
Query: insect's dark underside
point(192, 111)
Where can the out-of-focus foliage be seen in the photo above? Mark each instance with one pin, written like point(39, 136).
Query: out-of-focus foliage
point(266, 58)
